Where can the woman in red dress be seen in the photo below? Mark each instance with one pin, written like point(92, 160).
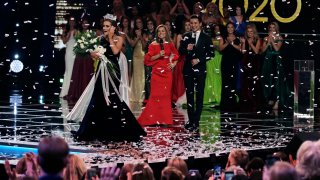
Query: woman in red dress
point(161, 56)
point(178, 88)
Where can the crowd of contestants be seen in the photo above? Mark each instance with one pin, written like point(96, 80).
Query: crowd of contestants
point(245, 73)
point(54, 162)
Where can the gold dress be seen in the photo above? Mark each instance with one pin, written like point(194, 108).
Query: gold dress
point(137, 80)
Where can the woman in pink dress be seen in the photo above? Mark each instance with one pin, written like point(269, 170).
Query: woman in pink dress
point(161, 56)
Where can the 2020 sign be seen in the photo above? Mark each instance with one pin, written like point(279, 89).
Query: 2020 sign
point(255, 18)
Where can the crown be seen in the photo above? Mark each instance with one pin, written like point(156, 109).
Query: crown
point(110, 17)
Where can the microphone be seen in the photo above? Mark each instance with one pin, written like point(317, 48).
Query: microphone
point(161, 44)
point(193, 39)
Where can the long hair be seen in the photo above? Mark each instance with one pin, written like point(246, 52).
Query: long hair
point(121, 24)
point(167, 4)
point(71, 18)
point(255, 32)
point(76, 169)
point(127, 168)
point(234, 29)
point(180, 164)
point(276, 25)
point(142, 171)
point(200, 6)
point(215, 9)
point(168, 39)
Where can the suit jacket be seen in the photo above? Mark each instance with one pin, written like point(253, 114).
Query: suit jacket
point(203, 51)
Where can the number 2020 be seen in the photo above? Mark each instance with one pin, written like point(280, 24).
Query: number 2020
point(254, 17)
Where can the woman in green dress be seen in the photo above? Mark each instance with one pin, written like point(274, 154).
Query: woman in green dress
point(275, 89)
point(212, 90)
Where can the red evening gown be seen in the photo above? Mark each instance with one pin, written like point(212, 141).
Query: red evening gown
point(178, 88)
point(158, 109)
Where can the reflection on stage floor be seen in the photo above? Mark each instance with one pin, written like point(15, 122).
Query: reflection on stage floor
point(24, 120)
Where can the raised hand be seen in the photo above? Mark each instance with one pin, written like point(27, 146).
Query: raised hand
point(12, 174)
point(109, 173)
point(111, 31)
point(32, 165)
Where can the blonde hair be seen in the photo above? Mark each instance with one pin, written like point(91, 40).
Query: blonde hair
point(255, 32)
point(180, 164)
point(308, 159)
point(215, 9)
point(76, 168)
point(276, 25)
point(240, 156)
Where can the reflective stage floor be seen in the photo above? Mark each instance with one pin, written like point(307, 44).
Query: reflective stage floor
point(23, 120)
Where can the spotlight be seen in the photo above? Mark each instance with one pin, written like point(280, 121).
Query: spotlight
point(41, 68)
point(16, 66)
point(16, 56)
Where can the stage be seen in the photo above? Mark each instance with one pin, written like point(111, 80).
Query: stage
point(24, 120)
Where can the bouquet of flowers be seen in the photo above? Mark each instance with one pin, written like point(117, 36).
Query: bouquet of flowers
point(85, 42)
point(100, 50)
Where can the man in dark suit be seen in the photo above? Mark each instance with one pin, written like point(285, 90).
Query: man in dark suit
point(198, 48)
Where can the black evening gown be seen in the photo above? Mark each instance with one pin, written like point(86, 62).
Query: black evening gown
point(230, 76)
point(113, 122)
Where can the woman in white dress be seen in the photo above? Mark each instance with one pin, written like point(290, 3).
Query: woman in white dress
point(69, 40)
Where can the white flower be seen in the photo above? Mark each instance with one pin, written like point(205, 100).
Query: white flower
point(92, 41)
point(82, 37)
point(80, 41)
point(100, 50)
point(85, 42)
point(81, 46)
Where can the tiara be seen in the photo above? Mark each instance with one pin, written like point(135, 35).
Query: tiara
point(110, 17)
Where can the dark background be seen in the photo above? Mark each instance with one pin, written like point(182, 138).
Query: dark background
point(302, 39)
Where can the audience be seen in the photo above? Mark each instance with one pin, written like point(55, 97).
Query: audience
point(237, 157)
point(180, 164)
point(142, 171)
point(52, 157)
point(126, 171)
point(281, 171)
point(76, 168)
point(254, 168)
point(171, 173)
point(308, 160)
point(54, 163)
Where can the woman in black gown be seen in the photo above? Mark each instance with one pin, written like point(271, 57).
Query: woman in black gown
point(231, 55)
point(107, 116)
